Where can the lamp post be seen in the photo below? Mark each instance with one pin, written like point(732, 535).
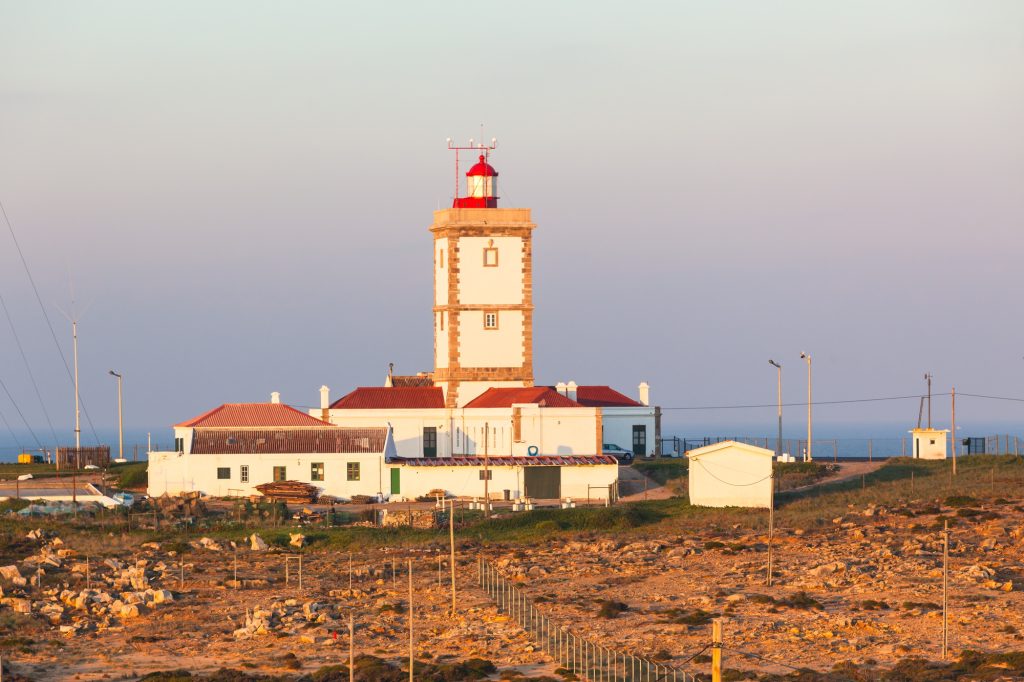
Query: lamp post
point(778, 443)
point(120, 417)
point(807, 455)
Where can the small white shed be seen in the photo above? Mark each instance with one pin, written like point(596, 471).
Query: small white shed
point(730, 474)
point(929, 443)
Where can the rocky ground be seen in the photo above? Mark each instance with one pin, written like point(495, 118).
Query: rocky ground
point(867, 589)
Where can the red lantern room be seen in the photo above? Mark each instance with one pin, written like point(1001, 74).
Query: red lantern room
point(481, 187)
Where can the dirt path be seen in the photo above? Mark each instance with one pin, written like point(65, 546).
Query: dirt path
point(847, 470)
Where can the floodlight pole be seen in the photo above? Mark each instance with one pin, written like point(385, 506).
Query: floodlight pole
point(807, 455)
point(778, 443)
point(120, 416)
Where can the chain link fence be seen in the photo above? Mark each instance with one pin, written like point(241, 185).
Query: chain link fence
point(586, 658)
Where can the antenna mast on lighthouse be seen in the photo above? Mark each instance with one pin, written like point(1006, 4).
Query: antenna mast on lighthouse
point(487, 187)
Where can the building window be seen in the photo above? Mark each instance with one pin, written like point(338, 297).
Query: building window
point(491, 319)
point(441, 319)
point(490, 257)
point(489, 475)
point(243, 473)
point(440, 258)
point(280, 474)
point(517, 424)
point(179, 445)
point(316, 471)
point(223, 473)
point(352, 471)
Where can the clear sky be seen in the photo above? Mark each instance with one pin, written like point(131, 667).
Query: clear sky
point(238, 193)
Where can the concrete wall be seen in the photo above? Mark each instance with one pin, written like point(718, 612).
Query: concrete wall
point(497, 285)
point(173, 473)
point(617, 424)
point(465, 481)
point(555, 431)
point(928, 443)
point(735, 475)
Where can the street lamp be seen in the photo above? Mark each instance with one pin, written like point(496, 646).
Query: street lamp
point(120, 418)
point(807, 454)
point(778, 443)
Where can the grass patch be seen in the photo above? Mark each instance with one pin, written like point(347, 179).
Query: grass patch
point(131, 475)
point(684, 617)
point(662, 470)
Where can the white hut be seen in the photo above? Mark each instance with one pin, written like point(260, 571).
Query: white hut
point(730, 474)
point(929, 443)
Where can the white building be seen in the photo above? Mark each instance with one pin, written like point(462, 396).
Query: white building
point(231, 449)
point(480, 403)
point(730, 474)
point(481, 396)
point(929, 443)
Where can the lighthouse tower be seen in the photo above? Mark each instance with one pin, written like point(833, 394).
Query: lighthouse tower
point(483, 291)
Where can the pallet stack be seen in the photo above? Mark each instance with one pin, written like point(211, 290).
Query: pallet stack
point(292, 492)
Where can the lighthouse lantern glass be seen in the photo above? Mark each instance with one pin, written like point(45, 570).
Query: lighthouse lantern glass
point(480, 186)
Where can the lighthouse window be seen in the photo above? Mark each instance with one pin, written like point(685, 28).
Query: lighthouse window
point(490, 257)
point(440, 258)
point(491, 320)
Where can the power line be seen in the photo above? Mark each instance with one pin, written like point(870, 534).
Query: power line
point(42, 308)
point(28, 367)
point(762, 658)
point(803, 404)
point(18, 410)
point(735, 485)
point(11, 431)
point(991, 397)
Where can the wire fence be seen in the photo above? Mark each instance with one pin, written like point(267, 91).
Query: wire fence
point(586, 658)
point(850, 448)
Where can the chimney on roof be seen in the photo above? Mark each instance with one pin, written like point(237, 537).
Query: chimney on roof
point(325, 402)
point(645, 393)
point(275, 397)
point(560, 387)
point(570, 390)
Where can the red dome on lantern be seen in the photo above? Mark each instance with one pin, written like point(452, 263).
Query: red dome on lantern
point(481, 187)
point(483, 168)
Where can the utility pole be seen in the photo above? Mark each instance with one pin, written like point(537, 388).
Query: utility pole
point(928, 378)
point(120, 416)
point(451, 542)
point(771, 523)
point(807, 455)
point(778, 443)
point(78, 429)
point(952, 394)
point(487, 473)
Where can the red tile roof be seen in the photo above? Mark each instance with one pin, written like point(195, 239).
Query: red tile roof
point(275, 441)
point(538, 460)
point(506, 397)
point(603, 396)
point(253, 414)
point(397, 398)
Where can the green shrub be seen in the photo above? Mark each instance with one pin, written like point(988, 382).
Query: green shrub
point(611, 609)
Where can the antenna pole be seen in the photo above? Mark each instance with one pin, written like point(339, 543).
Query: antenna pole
point(78, 430)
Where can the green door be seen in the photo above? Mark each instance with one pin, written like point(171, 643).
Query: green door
point(543, 483)
point(396, 481)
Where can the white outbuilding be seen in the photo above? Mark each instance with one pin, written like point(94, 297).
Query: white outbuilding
point(730, 474)
point(929, 443)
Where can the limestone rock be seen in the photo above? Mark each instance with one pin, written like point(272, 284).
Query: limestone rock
point(256, 543)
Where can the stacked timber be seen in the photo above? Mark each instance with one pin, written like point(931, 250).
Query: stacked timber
point(294, 492)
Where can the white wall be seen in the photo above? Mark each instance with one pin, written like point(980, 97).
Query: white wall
point(555, 431)
point(731, 476)
point(617, 424)
point(929, 443)
point(173, 473)
point(441, 271)
point(490, 285)
point(501, 347)
point(465, 481)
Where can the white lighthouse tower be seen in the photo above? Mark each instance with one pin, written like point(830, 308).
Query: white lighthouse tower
point(483, 290)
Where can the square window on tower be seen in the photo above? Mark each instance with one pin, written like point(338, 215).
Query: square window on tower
point(491, 319)
point(490, 257)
